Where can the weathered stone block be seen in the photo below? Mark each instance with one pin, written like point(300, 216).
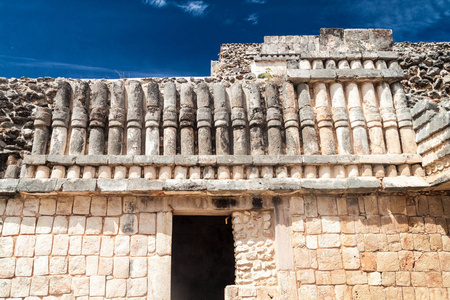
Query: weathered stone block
point(8, 186)
point(387, 261)
point(329, 259)
point(97, 286)
point(138, 245)
point(138, 267)
point(37, 185)
point(116, 288)
point(77, 265)
point(79, 185)
point(94, 225)
point(58, 265)
point(91, 245)
point(77, 225)
point(121, 267)
point(81, 205)
point(128, 224)
point(39, 286)
point(60, 245)
point(60, 284)
point(20, 287)
point(47, 207)
point(80, 286)
point(164, 233)
point(7, 266)
point(111, 226)
point(136, 287)
point(112, 185)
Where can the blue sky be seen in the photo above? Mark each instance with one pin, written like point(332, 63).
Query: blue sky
point(140, 38)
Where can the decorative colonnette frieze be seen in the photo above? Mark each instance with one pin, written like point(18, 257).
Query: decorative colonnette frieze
point(203, 163)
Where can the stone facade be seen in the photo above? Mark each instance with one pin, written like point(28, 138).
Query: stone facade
point(334, 178)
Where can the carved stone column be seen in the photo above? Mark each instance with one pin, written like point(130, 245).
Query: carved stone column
point(152, 120)
point(42, 121)
point(204, 124)
point(60, 124)
point(323, 116)
point(307, 122)
point(221, 124)
point(373, 119)
point(358, 124)
point(274, 123)
point(291, 125)
point(78, 125)
point(170, 126)
point(256, 122)
point(239, 124)
point(97, 125)
point(116, 127)
point(187, 122)
point(340, 119)
point(135, 116)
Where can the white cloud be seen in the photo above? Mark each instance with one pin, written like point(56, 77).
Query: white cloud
point(256, 1)
point(156, 3)
point(195, 8)
point(253, 18)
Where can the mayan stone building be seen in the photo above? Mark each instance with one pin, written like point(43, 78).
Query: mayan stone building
point(305, 167)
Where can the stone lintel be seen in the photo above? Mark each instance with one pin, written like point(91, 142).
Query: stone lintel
point(78, 185)
point(30, 185)
point(404, 183)
point(35, 159)
point(63, 160)
point(122, 160)
point(297, 76)
point(92, 160)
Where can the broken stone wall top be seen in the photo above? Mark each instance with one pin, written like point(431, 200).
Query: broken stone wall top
point(330, 39)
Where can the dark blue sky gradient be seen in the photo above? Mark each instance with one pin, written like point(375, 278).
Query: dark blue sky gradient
point(131, 38)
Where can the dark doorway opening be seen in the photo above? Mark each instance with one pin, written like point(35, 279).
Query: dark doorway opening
point(202, 257)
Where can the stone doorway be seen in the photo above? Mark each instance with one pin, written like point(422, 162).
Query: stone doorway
point(202, 257)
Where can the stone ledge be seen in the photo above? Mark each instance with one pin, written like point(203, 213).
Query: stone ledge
point(404, 183)
point(311, 55)
point(30, 185)
point(78, 185)
point(8, 186)
point(327, 75)
point(437, 123)
point(176, 186)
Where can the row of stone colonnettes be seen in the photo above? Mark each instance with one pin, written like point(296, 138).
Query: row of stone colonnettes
point(311, 118)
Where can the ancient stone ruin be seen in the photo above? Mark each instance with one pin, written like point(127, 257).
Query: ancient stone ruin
point(301, 169)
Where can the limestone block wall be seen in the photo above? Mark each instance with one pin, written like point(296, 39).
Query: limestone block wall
point(382, 246)
point(83, 246)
